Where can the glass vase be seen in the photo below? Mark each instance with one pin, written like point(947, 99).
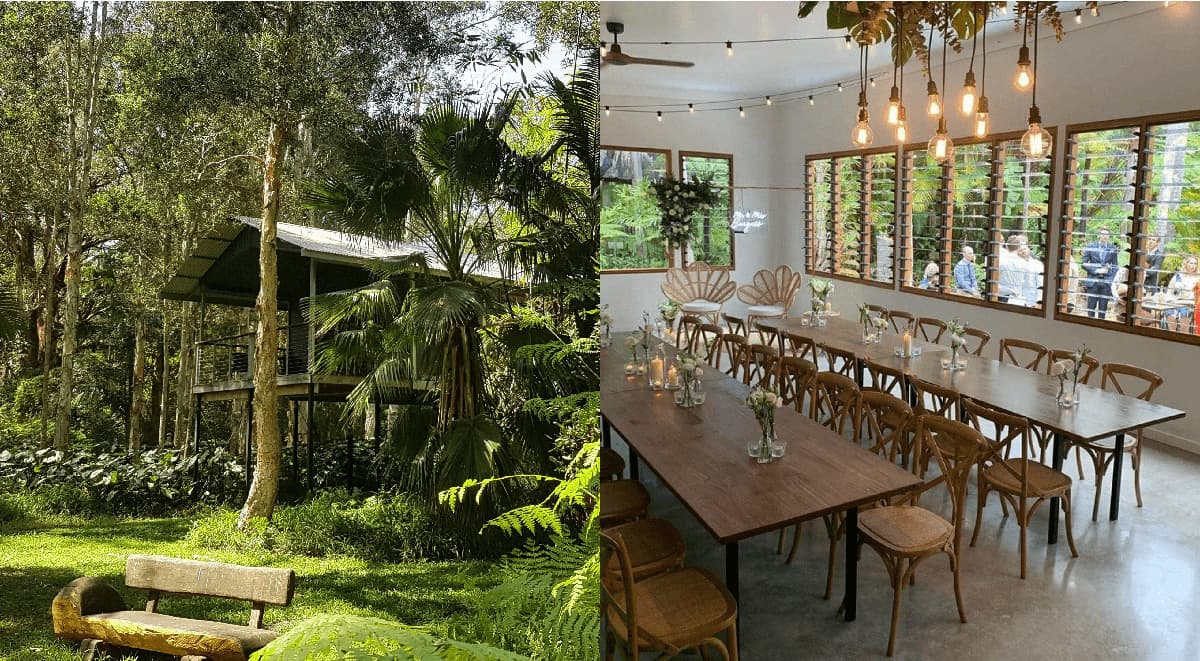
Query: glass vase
point(605, 336)
point(1066, 398)
point(954, 362)
point(761, 448)
point(689, 394)
point(656, 375)
point(868, 336)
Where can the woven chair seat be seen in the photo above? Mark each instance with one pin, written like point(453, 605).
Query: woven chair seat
point(906, 530)
point(654, 546)
point(680, 607)
point(621, 500)
point(611, 463)
point(700, 305)
point(1043, 480)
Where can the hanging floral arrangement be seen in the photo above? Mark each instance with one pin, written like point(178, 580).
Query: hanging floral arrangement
point(678, 202)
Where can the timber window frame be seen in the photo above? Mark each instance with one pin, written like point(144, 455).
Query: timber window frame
point(728, 191)
point(829, 216)
point(1142, 183)
point(668, 171)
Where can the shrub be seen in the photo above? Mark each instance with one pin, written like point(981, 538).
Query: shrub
point(356, 637)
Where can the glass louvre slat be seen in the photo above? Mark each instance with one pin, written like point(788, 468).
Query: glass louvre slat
point(924, 201)
point(972, 199)
point(1025, 198)
point(850, 209)
point(819, 217)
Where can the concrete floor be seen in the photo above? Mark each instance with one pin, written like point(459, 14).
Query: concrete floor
point(1133, 592)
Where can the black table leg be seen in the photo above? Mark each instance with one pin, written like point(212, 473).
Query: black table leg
point(1114, 503)
point(731, 581)
point(633, 463)
point(605, 433)
point(850, 603)
point(858, 373)
point(1059, 450)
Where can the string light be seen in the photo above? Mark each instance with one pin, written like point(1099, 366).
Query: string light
point(967, 101)
point(741, 111)
point(839, 87)
point(933, 107)
point(811, 101)
point(603, 48)
point(607, 111)
point(728, 49)
point(862, 136)
point(768, 100)
point(849, 44)
point(1078, 16)
point(893, 107)
point(1096, 10)
point(691, 109)
point(872, 80)
point(660, 115)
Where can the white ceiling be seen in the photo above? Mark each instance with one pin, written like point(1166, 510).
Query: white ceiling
point(760, 69)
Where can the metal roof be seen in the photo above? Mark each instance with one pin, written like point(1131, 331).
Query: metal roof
point(319, 244)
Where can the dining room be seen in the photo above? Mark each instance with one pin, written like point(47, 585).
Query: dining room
point(861, 289)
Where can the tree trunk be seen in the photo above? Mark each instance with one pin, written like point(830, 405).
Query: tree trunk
point(51, 301)
point(164, 406)
point(81, 187)
point(138, 385)
point(156, 387)
point(260, 502)
point(238, 411)
point(187, 366)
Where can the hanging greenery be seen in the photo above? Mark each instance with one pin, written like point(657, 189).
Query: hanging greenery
point(879, 22)
point(679, 201)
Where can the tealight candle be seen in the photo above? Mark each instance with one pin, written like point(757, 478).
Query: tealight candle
point(672, 377)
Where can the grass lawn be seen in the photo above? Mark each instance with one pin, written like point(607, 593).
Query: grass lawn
point(36, 562)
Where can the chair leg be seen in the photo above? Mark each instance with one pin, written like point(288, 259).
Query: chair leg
point(962, 611)
point(980, 500)
point(1079, 461)
point(1136, 460)
point(1024, 523)
point(1066, 505)
point(733, 642)
point(795, 545)
point(779, 547)
point(897, 587)
point(1101, 467)
point(832, 558)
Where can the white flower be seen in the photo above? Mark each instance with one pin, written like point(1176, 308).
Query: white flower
point(699, 370)
point(676, 187)
point(779, 403)
point(770, 397)
point(957, 341)
point(1061, 368)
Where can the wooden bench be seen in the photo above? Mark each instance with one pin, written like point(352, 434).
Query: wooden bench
point(91, 611)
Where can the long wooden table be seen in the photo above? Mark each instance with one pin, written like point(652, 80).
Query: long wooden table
point(700, 455)
point(1099, 414)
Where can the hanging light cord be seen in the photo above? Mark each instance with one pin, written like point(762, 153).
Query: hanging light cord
point(974, 43)
point(1035, 53)
point(983, 80)
point(929, 53)
point(899, 42)
point(945, 43)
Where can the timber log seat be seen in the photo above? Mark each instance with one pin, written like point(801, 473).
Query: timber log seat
point(90, 610)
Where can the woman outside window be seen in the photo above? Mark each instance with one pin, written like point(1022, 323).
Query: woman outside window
point(1182, 286)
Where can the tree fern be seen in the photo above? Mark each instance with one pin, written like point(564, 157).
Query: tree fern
point(356, 637)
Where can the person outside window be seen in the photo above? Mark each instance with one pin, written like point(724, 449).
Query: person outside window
point(929, 280)
point(1154, 262)
point(965, 279)
point(1031, 286)
point(1011, 273)
point(1100, 265)
point(1182, 284)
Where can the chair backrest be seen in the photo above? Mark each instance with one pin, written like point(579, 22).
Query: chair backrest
point(934, 399)
point(734, 324)
point(801, 346)
point(930, 329)
point(1090, 364)
point(901, 320)
point(1005, 429)
point(840, 362)
point(879, 311)
point(698, 281)
point(706, 343)
point(796, 377)
point(837, 402)
point(957, 448)
point(687, 323)
point(885, 378)
point(1022, 353)
point(768, 334)
point(776, 287)
point(258, 585)
point(761, 365)
point(617, 597)
point(979, 334)
point(1130, 380)
point(888, 423)
point(738, 349)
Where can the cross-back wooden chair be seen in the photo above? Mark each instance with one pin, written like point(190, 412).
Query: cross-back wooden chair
point(1127, 380)
point(654, 546)
point(706, 343)
point(667, 613)
point(930, 329)
point(796, 382)
point(800, 346)
point(687, 324)
point(885, 378)
point(761, 366)
point(837, 403)
point(738, 349)
point(612, 465)
point(770, 293)
point(1022, 353)
point(901, 320)
point(888, 425)
point(699, 289)
point(622, 500)
point(734, 324)
point(904, 534)
point(976, 335)
point(1015, 481)
point(934, 399)
point(841, 362)
point(767, 335)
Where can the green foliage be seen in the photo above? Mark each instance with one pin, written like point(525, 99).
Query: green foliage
point(333, 637)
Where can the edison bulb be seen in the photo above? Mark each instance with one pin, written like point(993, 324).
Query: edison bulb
point(901, 133)
point(893, 107)
point(862, 135)
point(982, 122)
point(967, 105)
point(941, 147)
point(1024, 79)
point(933, 107)
point(1036, 143)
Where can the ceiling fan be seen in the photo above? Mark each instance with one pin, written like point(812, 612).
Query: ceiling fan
point(615, 56)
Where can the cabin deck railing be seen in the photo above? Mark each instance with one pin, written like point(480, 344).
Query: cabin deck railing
point(232, 358)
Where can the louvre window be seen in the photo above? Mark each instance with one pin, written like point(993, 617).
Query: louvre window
point(851, 202)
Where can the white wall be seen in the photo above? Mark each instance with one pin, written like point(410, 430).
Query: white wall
point(1141, 65)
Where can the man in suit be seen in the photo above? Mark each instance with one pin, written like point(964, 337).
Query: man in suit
point(1100, 265)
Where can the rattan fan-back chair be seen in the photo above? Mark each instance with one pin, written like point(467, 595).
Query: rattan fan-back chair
point(1016, 481)
point(904, 534)
point(667, 613)
point(770, 294)
point(699, 289)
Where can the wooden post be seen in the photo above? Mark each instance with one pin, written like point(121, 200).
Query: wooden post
point(991, 263)
point(946, 243)
point(196, 434)
point(312, 295)
point(295, 441)
point(309, 444)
